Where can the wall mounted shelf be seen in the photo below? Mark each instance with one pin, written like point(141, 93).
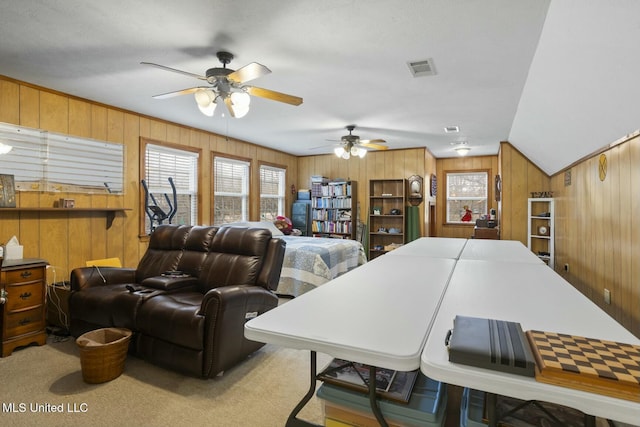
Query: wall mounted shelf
point(110, 213)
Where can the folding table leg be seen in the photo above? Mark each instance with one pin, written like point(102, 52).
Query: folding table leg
point(492, 411)
point(293, 421)
point(373, 398)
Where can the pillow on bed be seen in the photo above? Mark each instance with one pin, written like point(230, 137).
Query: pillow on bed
point(257, 224)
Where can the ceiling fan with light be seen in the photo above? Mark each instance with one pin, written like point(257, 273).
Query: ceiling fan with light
point(352, 145)
point(228, 86)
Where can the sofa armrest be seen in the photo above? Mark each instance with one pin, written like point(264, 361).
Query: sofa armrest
point(231, 297)
point(272, 266)
point(86, 277)
point(169, 283)
point(226, 309)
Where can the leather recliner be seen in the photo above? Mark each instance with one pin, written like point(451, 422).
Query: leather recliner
point(192, 322)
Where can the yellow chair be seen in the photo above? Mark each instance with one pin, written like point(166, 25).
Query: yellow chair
point(106, 262)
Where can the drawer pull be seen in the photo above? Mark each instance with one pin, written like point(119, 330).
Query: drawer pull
point(24, 321)
point(25, 295)
point(25, 274)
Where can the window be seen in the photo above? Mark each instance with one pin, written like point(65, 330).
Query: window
point(162, 163)
point(272, 184)
point(467, 194)
point(230, 190)
point(48, 161)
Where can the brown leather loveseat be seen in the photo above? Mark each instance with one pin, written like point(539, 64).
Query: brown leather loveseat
point(188, 299)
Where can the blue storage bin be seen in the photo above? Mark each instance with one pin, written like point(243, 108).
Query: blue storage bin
point(472, 412)
point(426, 407)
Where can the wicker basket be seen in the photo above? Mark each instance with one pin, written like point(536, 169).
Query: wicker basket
point(102, 354)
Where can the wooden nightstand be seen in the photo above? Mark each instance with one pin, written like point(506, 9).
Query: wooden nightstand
point(486, 233)
point(23, 313)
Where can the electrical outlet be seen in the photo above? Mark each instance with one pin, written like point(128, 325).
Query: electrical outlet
point(566, 268)
point(607, 296)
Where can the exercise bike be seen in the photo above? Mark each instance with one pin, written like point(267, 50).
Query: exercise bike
point(155, 213)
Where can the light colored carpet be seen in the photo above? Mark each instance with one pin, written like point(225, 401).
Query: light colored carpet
point(261, 391)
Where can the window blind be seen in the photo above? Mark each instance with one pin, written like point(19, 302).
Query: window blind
point(162, 163)
point(49, 161)
point(231, 190)
point(272, 189)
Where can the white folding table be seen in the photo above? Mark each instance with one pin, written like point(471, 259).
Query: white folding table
point(498, 250)
point(379, 314)
point(434, 247)
point(538, 298)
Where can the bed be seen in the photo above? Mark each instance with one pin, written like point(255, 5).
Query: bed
point(312, 261)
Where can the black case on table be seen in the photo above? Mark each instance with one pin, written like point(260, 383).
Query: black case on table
point(498, 345)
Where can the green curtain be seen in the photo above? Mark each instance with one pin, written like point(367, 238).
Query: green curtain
point(412, 227)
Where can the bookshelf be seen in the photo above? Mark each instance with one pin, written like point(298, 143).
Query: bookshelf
point(387, 206)
point(333, 209)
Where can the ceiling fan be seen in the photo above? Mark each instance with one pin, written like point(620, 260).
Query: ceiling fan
point(227, 85)
point(352, 145)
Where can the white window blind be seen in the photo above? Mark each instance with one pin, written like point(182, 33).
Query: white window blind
point(272, 192)
point(48, 161)
point(231, 190)
point(162, 163)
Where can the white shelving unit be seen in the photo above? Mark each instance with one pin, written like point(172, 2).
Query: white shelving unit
point(541, 228)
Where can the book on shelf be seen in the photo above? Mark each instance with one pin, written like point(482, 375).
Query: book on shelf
point(390, 384)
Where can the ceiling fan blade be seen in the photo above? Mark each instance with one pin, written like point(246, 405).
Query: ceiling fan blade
point(374, 141)
point(374, 146)
point(227, 102)
point(249, 72)
point(173, 70)
point(273, 95)
point(178, 92)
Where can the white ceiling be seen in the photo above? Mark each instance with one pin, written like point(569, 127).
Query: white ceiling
point(556, 78)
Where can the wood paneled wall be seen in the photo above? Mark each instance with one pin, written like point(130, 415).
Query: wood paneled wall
point(520, 177)
point(67, 240)
point(460, 164)
point(597, 232)
point(391, 164)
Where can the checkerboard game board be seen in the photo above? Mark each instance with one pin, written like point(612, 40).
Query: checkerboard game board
point(593, 365)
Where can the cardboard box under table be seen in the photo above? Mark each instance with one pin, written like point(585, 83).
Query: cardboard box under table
point(426, 406)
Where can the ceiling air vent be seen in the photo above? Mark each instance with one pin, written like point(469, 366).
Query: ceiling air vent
point(421, 68)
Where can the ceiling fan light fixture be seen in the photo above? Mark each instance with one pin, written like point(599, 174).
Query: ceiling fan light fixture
point(339, 151)
point(362, 153)
point(205, 99)
point(240, 99)
point(346, 155)
point(240, 103)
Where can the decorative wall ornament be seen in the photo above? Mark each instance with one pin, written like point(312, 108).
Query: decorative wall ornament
point(415, 190)
point(602, 166)
point(7, 191)
point(498, 187)
point(541, 194)
point(567, 178)
point(434, 185)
